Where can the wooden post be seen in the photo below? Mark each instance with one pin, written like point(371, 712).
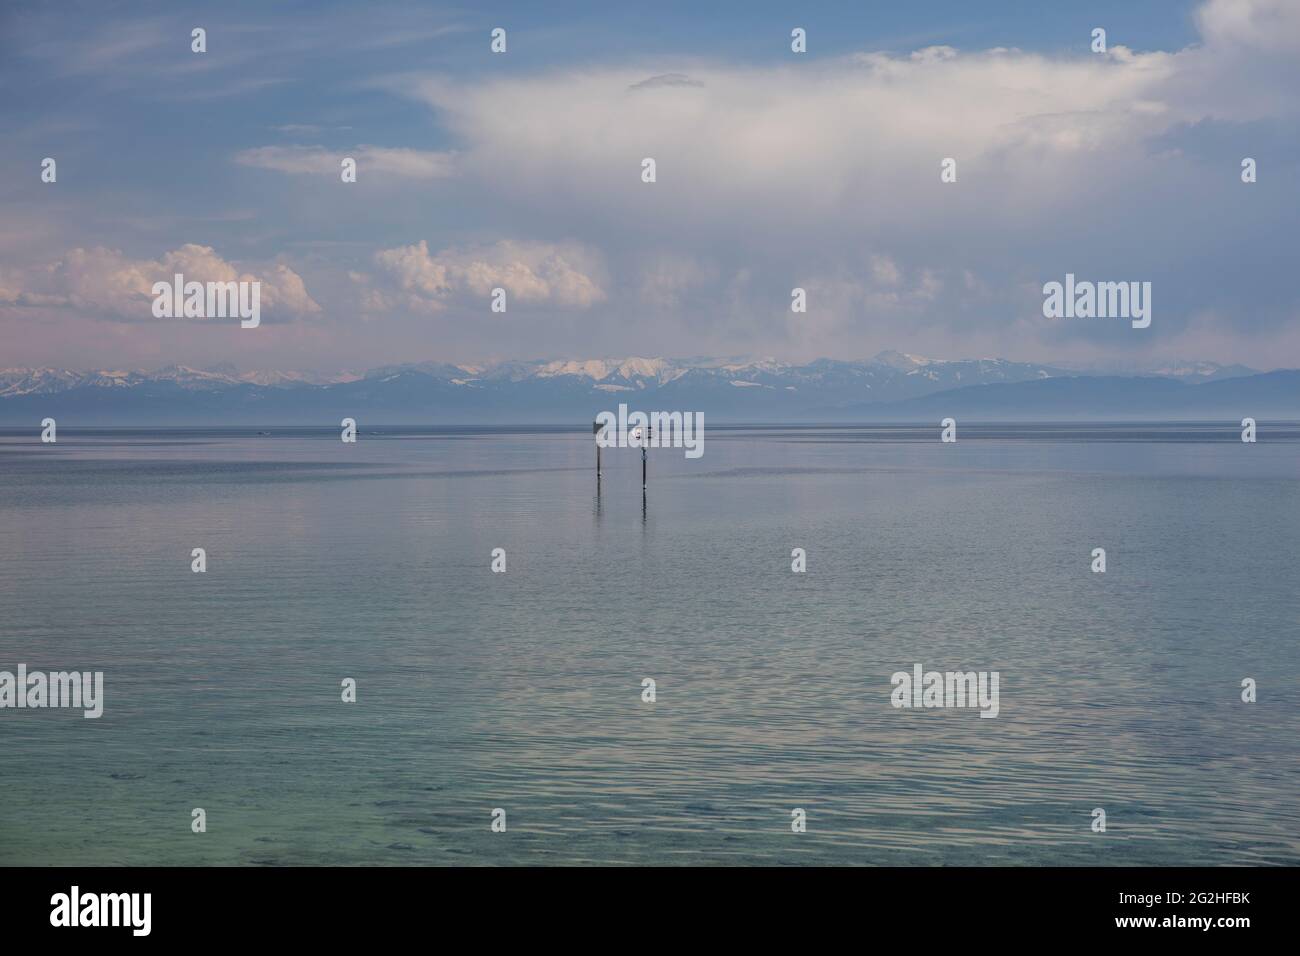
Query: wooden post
point(595, 430)
point(645, 443)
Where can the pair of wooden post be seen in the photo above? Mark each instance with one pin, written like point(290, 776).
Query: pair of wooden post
point(595, 430)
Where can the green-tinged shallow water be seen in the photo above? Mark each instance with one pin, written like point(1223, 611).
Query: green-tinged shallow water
point(523, 690)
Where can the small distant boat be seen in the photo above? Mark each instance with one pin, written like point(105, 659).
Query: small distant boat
point(264, 433)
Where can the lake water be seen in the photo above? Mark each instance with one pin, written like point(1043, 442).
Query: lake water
point(522, 690)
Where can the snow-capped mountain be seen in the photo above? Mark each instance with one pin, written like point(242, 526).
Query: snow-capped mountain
point(892, 372)
point(545, 390)
point(48, 381)
point(1185, 370)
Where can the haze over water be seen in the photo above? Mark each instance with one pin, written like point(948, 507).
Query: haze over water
point(523, 690)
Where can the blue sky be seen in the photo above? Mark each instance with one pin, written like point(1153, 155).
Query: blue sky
point(522, 171)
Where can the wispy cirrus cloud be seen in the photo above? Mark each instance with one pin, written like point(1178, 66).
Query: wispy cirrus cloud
point(397, 162)
point(666, 79)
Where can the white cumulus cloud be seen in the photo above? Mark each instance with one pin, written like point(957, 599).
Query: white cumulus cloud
point(106, 283)
point(530, 272)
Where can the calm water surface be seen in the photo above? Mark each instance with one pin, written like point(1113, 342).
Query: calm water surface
point(522, 690)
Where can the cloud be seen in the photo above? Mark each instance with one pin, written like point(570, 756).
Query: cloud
point(376, 161)
point(884, 271)
point(665, 79)
point(826, 170)
point(804, 137)
point(530, 272)
point(774, 172)
point(1272, 25)
point(104, 283)
point(305, 129)
point(667, 279)
point(117, 46)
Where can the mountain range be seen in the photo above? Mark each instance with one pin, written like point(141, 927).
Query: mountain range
point(892, 386)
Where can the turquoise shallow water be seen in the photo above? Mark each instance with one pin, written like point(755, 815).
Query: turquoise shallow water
point(523, 690)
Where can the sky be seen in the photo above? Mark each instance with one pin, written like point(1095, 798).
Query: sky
point(522, 170)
